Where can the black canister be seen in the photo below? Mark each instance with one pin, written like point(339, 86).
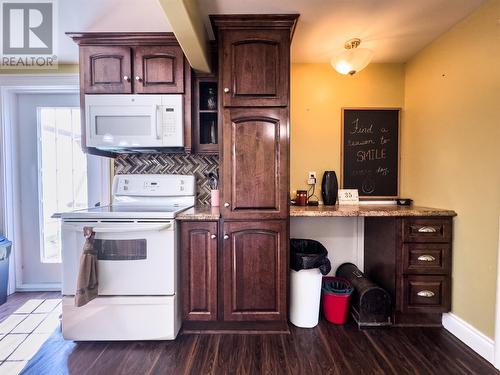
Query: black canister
point(329, 188)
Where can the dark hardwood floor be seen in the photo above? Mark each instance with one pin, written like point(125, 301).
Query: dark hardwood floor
point(326, 349)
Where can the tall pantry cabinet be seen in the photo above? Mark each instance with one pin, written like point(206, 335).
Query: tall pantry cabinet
point(254, 82)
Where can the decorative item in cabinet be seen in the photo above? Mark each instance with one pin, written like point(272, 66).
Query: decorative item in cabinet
point(206, 115)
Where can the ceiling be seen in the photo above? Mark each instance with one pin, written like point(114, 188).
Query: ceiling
point(394, 29)
point(105, 15)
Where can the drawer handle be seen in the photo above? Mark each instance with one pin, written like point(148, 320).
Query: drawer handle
point(213, 236)
point(427, 230)
point(425, 293)
point(426, 258)
point(226, 237)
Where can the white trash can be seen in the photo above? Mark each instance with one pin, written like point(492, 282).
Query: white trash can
point(305, 297)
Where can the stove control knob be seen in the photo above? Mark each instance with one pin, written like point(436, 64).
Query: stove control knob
point(226, 237)
point(213, 236)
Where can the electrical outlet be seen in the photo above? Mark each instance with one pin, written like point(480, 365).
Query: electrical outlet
point(311, 178)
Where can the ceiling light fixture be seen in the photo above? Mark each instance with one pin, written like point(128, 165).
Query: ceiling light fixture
point(353, 59)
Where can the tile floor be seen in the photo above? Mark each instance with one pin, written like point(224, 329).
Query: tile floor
point(24, 332)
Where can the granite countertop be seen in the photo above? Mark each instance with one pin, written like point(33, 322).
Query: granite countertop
point(200, 213)
point(209, 213)
point(367, 210)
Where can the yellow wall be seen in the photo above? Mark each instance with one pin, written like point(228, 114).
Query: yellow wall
point(318, 93)
point(451, 151)
point(450, 94)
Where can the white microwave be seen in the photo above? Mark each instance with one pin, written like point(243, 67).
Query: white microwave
point(134, 121)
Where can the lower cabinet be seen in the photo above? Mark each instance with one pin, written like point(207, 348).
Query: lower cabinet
point(254, 265)
point(199, 270)
point(244, 280)
point(411, 259)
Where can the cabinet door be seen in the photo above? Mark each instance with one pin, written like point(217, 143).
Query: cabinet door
point(255, 270)
point(199, 270)
point(255, 67)
point(106, 70)
point(159, 70)
point(255, 163)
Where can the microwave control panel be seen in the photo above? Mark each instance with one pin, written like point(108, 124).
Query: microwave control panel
point(172, 124)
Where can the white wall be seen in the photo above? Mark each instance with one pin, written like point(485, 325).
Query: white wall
point(343, 237)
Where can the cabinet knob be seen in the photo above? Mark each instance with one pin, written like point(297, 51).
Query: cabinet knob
point(126, 78)
point(213, 236)
point(226, 204)
point(226, 237)
point(226, 89)
point(138, 79)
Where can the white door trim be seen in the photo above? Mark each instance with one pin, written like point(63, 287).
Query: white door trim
point(496, 362)
point(10, 86)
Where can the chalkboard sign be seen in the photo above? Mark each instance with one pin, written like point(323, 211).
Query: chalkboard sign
point(370, 151)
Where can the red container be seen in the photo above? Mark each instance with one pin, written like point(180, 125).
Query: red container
point(335, 306)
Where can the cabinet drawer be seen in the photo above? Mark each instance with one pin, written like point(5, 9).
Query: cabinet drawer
point(426, 258)
point(426, 294)
point(426, 230)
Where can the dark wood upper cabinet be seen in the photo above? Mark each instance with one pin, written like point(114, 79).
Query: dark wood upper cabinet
point(199, 270)
point(255, 68)
point(254, 270)
point(254, 59)
point(124, 63)
point(255, 166)
point(158, 70)
point(106, 69)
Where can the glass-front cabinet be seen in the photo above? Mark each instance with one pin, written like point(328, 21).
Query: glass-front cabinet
point(206, 115)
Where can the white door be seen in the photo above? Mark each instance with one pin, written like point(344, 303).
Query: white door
point(53, 175)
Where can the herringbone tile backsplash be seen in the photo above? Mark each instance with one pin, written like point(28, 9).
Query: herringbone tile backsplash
point(199, 165)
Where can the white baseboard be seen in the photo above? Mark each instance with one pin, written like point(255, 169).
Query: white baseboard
point(39, 287)
point(477, 341)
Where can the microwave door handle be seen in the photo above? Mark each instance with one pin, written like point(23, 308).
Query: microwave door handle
point(127, 229)
point(157, 122)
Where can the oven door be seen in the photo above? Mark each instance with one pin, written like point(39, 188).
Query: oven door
point(134, 257)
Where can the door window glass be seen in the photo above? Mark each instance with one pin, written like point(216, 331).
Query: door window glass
point(62, 171)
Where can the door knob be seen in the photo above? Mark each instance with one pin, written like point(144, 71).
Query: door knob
point(226, 89)
point(226, 237)
point(138, 79)
point(126, 78)
point(213, 236)
point(226, 204)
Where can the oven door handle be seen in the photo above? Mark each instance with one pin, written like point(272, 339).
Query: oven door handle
point(118, 228)
point(133, 228)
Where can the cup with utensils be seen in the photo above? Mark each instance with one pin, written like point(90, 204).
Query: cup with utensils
point(213, 182)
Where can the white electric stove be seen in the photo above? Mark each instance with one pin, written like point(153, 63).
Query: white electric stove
point(138, 264)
